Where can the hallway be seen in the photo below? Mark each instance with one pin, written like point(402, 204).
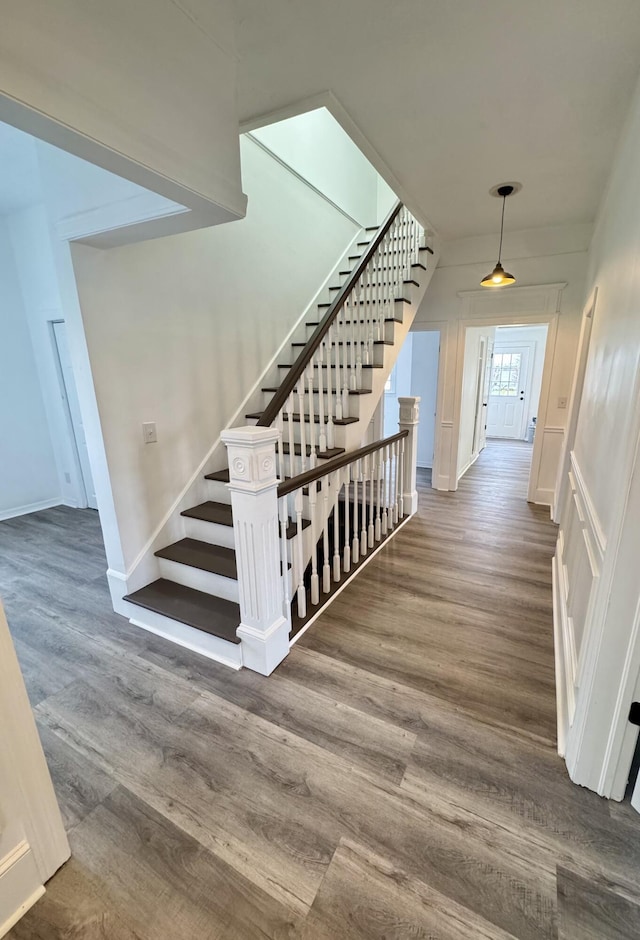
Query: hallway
point(395, 778)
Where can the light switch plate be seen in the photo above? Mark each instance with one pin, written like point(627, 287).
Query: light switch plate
point(149, 433)
point(562, 402)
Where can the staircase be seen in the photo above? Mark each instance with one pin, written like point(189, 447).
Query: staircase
point(320, 401)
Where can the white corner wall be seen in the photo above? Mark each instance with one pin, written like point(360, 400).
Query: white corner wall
point(31, 243)
point(315, 146)
point(179, 330)
point(537, 257)
point(424, 383)
point(400, 380)
point(596, 584)
point(28, 477)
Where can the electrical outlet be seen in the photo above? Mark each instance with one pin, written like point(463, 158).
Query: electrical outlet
point(562, 402)
point(67, 478)
point(149, 433)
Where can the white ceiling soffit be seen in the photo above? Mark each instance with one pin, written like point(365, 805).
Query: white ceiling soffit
point(456, 97)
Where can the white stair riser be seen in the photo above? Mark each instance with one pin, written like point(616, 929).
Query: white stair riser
point(197, 640)
point(209, 532)
point(389, 330)
point(218, 492)
point(199, 580)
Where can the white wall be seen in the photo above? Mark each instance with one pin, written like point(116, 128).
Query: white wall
point(536, 336)
point(127, 112)
point(317, 148)
point(424, 383)
point(400, 379)
point(179, 329)
point(30, 239)
point(539, 257)
point(28, 478)
point(597, 587)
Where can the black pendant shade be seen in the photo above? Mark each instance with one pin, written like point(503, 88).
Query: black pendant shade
point(499, 277)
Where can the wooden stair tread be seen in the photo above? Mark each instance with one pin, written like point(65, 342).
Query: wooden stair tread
point(352, 391)
point(214, 558)
point(314, 323)
point(322, 455)
point(222, 476)
point(219, 513)
point(370, 365)
point(396, 300)
point(359, 342)
point(212, 615)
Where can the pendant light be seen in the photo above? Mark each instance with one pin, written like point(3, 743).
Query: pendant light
point(499, 277)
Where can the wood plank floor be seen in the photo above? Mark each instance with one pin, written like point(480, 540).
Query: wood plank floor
point(395, 778)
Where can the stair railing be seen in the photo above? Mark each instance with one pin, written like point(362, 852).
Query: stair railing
point(315, 391)
point(299, 539)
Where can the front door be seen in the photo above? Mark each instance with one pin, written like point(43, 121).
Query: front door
point(509, 392)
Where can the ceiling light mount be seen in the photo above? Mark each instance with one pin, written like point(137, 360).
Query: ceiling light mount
point(499, 277)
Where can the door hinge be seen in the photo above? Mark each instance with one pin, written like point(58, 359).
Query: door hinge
point(634, 713)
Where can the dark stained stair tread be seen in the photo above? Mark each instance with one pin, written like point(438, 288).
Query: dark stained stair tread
point(323, 455)
point(352, 391)
point(205, 612)
point(222, 476)
point(220, 513)
point(359, 342)
point(296, 418)
point(292, 529)
point(214, 558)
point(370, 365)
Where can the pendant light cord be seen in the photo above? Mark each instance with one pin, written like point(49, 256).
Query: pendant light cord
point(504, 199)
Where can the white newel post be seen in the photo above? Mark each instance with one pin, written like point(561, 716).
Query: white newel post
point(253, 483)
point(408, 421)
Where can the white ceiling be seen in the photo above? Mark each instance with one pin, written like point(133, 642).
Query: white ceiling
point(19, 171)
point(458, 95)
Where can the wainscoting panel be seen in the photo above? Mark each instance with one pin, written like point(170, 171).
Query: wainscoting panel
point(577, 567)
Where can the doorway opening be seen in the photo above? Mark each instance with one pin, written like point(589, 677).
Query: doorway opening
point(501, 387)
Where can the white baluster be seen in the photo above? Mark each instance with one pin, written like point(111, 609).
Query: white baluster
point(332, 384)
point(355, 544)
point(279, 423)
point(315, 589)
point(356, 339)
point(363, 511)
point(323, 358)
point(353, 305)
point(302, 463)
point(326, 565)
point(385, 514)
point(400, 478)
point(378, 462)
point(394, 492)
point(371, 464)
point(346, 563)
point(301, 594)
point(289, 410)
point(345, 365)
point(335, 485)
point(283, 513)
point(313, 443)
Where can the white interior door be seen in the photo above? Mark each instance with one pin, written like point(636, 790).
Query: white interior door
point(70, 397)
point(484, 405)
point(509, 392)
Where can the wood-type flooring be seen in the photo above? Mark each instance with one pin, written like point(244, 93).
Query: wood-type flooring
point(396, 777)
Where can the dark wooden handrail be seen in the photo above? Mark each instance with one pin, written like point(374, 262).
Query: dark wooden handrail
point(336, 463)
point(291, 379)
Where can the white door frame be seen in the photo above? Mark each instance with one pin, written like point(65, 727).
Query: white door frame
point(562, 481)
point(26, 792)
point(533, 320)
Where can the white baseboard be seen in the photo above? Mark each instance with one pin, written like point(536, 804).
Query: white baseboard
point(30, 507)
point(562, 707)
